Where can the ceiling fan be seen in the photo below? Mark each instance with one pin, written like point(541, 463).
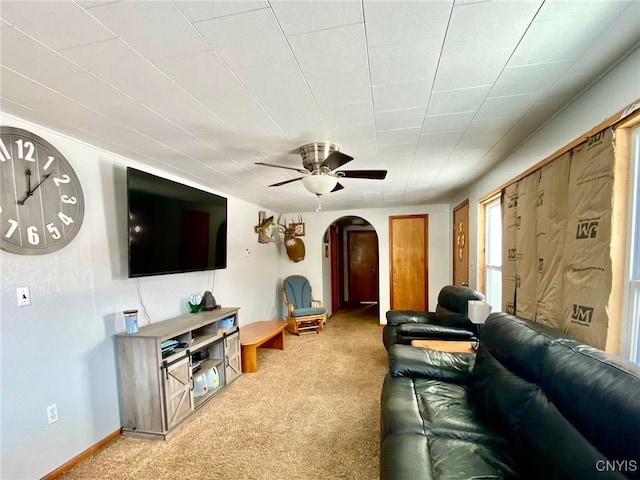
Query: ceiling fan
point(321, 161)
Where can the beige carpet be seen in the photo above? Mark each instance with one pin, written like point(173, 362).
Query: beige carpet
point(310, 412)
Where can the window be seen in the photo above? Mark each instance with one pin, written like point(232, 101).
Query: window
point(493, 254)
point(631, 329)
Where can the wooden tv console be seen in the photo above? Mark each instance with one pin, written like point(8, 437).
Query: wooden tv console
point(156, 391)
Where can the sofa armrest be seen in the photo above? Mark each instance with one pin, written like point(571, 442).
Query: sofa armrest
point(407, 361)
point(416, 331)
point(398, 317)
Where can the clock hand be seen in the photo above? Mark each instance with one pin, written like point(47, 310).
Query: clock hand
point(30, 192)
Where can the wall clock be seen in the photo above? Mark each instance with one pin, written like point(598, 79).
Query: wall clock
point(41, 200)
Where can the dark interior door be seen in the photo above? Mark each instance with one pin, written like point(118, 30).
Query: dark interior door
point(362, 248)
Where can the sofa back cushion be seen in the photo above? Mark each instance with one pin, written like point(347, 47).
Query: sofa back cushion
point(452, 310)
point(570, 411)
point(599, 394)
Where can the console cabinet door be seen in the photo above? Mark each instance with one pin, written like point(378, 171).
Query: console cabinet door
point(232, 353)
point(177, 391)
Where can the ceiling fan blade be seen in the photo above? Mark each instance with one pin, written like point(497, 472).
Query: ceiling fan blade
point(285, 182)
point(299, 170)
point(369, 174)
point(337, 188)
point(336, 160)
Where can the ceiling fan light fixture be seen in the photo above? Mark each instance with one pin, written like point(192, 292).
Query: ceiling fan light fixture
point(319, 184)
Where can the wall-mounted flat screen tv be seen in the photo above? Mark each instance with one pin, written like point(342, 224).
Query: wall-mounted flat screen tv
point(173, 228)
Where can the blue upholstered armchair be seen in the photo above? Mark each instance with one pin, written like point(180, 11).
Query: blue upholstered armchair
point(304, 314)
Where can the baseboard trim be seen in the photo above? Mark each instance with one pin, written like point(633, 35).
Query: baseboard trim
point(82, 455)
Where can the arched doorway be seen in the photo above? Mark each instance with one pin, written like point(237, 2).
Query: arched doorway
point(351, 242)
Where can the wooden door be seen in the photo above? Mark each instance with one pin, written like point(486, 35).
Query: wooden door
point(408, 248)
point(461, 244)
point(177, 391)
point(362, 251)
point(334, 252)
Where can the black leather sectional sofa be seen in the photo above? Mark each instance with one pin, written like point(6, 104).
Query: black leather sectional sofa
point(533, 404)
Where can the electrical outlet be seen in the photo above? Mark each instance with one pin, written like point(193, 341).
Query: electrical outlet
point(266, 311)
point(52, 413)
point(24, 296)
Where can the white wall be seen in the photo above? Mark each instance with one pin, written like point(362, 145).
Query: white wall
point(60, 350)
point(615, 91)
point(440, 260)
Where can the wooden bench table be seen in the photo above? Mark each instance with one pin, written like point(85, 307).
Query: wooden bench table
point(265, 334)
point(451, 346)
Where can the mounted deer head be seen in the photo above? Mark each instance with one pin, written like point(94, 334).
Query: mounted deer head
point(294, 245)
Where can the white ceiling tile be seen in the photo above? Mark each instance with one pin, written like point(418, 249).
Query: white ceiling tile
point(401, 95)
point(300, 17)
point(418, 20)
point(247, 39)
point(220, 138)
point(283, 93)
point(579, 11)
point(482, 28)
point(463, 70)
point(89, 90)
point(18, 110)
point(404, 62)
point(457, 101)
point(486, 133)
point(350, 114)
point(508, 106)
point(340, 88)
point(279, 143)
point(355, 133)
point(28, 57)
point(447, 123)
point(115, 63)
point(528, 78)
point(154, 29)
point(24, 91)
point(437, 144)
point(397, 137)
point(43, 20)
point(567, 88)
point(620, 37)
point(558, 35)
point(248, 119)
point(367, 149)
point(393, 119)
point(341, 49)
point(390, 153)
point(196, 11)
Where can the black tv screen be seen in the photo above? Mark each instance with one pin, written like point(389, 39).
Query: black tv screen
point(173, 228)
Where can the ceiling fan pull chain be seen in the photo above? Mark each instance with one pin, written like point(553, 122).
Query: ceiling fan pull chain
point(319, 207)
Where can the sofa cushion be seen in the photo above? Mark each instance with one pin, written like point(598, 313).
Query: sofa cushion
point(599, 394)
point(499, 395)
point(549, 447)
point(452, 307)
point(407, 361)
point(416, 331)
point(520, 346)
